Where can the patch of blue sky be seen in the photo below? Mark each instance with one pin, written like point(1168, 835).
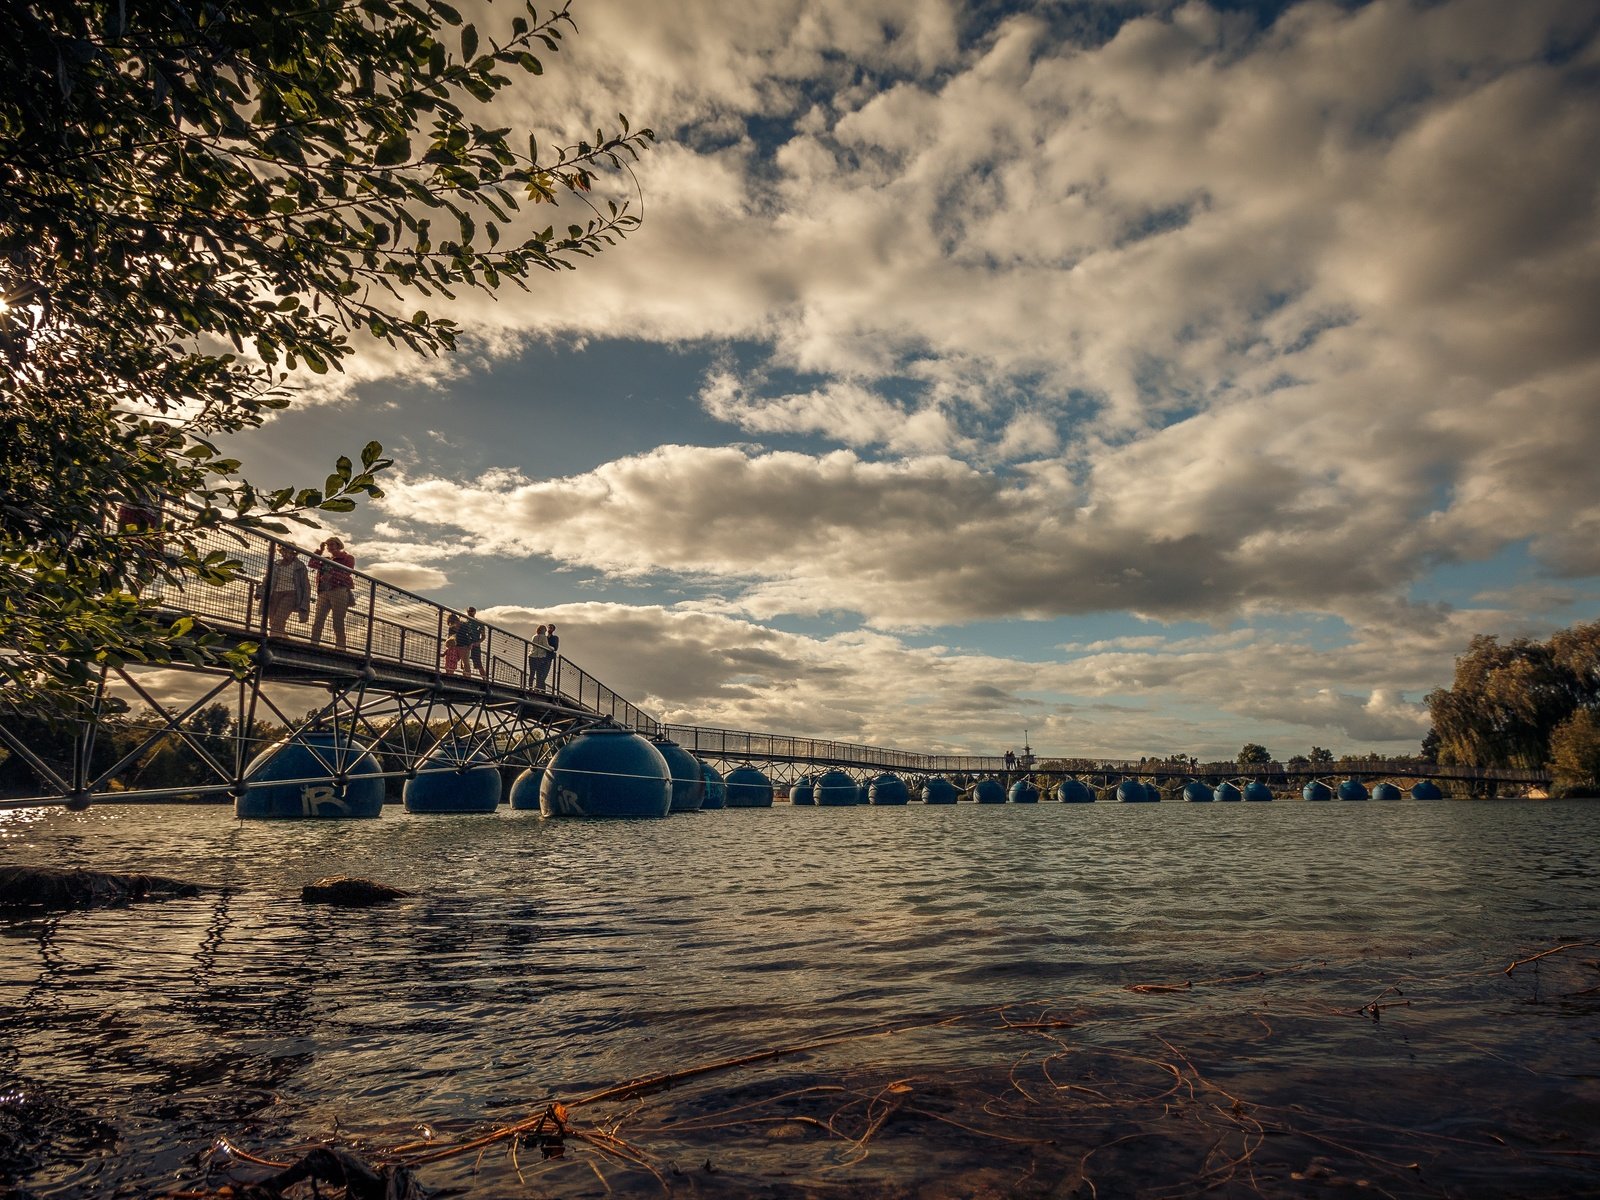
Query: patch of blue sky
point(1157, 221)
point(558, 409)
point(1511, 579)
point(1460, 584)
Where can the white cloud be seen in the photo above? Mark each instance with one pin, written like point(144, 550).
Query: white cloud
point(1205, 321)
point(412, 577)
point(718, 671)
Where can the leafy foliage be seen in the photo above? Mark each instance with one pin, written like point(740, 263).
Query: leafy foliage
point(1253, 754)
point(197, 197)
point(1575, 753)
point(1508, 699)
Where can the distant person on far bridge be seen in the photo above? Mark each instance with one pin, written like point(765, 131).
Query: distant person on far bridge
point(290, 590)
point(336, 588)
point(471, 638)
point(541, 656)
point(1011, 760)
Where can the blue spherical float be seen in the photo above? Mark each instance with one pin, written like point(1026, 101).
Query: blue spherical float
point(1317, 790)
point(1426, 789)
point(1257, 792)
point(688, 784)
point(864, 791)
point(988, 791)
point(1196, 792)
point(716, 788)
point(1131, 791)
point(1074, 791)
point(835, 789)
point(1385, 791)
point(803, 791)
point(1227, 793)
point(938, 790)
point(1023, 791)
point(1352, 789)
point(525, 790)
point(607, 772)
point(456, 777)
point(888, 789)
point(748, 787)
point(338, 778)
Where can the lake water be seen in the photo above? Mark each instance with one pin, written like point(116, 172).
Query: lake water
point(1074, 1001)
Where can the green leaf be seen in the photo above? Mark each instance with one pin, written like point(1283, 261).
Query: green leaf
point(393, 151)
point(469, 42)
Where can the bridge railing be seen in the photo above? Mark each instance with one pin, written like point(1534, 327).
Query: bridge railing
point(385, 624)
point(741, 744)
point(390, 624)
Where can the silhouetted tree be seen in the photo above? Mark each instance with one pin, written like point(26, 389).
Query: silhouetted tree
point(1507, 699)
point(193, 196)
point(1575, 753)
point(1253, 754)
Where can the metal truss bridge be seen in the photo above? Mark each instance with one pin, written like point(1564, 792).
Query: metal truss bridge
point(388, 689)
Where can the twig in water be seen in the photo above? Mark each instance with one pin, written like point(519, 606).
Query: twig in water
point(1561, 949)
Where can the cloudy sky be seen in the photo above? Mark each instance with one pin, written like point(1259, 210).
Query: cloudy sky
point(1150, 377)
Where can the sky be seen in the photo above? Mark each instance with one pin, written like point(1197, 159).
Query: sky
point(1133, 378)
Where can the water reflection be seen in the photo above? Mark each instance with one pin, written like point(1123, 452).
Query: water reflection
point(1154, 968)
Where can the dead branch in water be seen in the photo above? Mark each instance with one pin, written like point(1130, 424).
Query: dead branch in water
point(1561, 949)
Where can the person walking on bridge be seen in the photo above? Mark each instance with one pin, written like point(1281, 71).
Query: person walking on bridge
point(290, 590)
point(555, 652)
point(336, 588)
point(452, 646)
point(540, 657)
point(470, 638)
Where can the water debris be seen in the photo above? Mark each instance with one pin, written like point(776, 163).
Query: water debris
point(354, 1178)
point(350, 891)
point(1088, 1096)
point(78, 887)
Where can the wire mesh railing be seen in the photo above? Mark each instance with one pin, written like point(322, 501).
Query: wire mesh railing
point(734, 744)
point(383, 624)
point(388, 624)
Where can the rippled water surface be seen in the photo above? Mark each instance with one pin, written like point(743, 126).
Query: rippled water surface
point(1047, 1000)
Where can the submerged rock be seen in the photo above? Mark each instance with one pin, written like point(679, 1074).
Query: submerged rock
point(343, 889)
point(77, 887)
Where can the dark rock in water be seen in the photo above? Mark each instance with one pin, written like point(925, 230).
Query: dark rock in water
point(342, 889)
point(64, 887)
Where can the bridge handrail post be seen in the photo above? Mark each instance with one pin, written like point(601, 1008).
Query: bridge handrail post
point(372, 618)
point(438, 639)
point(266, 589)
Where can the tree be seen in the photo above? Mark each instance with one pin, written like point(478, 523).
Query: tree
point(1508, 698)
point(1575, 753)
point(1321, 756)
point(197, 197)
point(1254, 755)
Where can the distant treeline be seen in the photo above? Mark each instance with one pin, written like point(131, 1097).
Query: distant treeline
point(1527, 704)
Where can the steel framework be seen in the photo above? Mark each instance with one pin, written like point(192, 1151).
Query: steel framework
point(386, 686)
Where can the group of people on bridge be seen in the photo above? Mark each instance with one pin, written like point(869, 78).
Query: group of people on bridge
point(287, 589)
